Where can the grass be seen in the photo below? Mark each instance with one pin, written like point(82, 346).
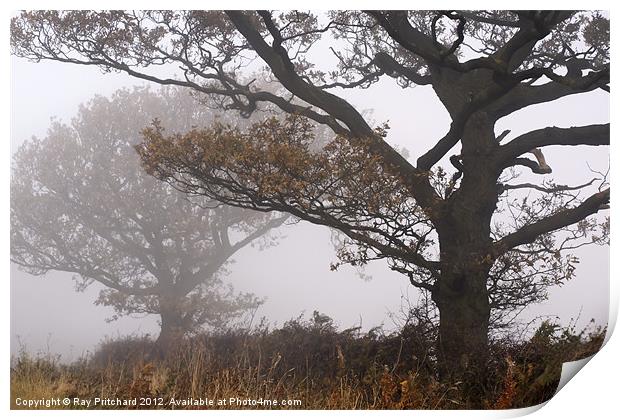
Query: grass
point(306, 364)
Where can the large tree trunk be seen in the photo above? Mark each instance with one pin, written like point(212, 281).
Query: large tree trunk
point(464, 310)
point(172, 326)
point(462, 298)
point(465, 241)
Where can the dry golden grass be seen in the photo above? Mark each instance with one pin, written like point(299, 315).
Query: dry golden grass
point(306, 361)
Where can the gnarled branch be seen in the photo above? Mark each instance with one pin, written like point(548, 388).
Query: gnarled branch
point(592, 135)
point(554, 222)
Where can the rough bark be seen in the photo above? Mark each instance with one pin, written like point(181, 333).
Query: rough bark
point(464, 309)
point(465, 241)
point(173, 328)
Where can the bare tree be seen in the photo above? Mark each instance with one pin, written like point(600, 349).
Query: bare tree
point(437, 228)
point(81, 203)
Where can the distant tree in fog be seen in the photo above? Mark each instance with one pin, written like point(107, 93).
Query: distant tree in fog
point(81, 203)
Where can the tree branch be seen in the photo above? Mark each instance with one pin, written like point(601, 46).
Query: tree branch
point(273, 223)
point(281, 66)
point(391, 67)
point(532, 164)
point(591, 135)
point(524, 95)
point(564, 218)
point(398, 27)
point(548, 190)
point(416, 181)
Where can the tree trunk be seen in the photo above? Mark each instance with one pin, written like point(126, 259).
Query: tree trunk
point(464, 312)
point(465, 241)
point(172, 327)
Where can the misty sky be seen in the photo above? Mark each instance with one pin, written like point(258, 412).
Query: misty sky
point(47, 314)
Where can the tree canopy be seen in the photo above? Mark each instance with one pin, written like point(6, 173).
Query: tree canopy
point(81, 203)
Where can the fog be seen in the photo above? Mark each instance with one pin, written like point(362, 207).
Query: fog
point(294, 277)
